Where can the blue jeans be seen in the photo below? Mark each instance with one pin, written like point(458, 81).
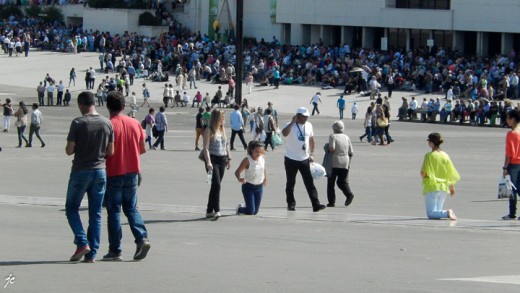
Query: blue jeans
point(514, 171)
point(252, 197)
point(434, 202)
point(122, 191)
point(368, 134)
point(93, 183)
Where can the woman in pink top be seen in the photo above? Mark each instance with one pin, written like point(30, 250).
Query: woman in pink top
point(512, 159)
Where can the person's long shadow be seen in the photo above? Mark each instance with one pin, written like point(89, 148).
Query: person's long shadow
point(35, 262)
point(203, 219)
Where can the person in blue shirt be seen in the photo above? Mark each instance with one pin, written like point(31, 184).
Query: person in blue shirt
point(341, 106)
point(237, 127)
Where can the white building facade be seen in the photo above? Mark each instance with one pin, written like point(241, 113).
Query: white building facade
point(481, 27)
point(472, 26)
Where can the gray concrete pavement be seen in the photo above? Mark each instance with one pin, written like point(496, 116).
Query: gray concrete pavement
point(381, 243)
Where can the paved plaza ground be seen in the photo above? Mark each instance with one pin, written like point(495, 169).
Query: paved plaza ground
point(381, 243)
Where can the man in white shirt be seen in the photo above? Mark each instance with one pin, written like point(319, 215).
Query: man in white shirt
point(314, 101)
point(373, 86)
point(298, 156)
point(50, 94)
point(34, 128)
point(60, 87)
point(412, 107)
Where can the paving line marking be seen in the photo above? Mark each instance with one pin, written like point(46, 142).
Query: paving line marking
point(513, 280)
point(303, 214)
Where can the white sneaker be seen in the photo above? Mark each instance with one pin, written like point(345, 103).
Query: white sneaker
point(238, 208)
point(216, 216)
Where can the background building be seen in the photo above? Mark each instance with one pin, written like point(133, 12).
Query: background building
point(472, 26)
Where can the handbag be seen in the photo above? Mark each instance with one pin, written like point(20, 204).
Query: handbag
point(505, 187)
point(155, 133)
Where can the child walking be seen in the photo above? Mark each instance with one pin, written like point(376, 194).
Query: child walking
point(254, 179)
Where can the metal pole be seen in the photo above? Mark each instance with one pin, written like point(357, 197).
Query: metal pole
point(239, 66)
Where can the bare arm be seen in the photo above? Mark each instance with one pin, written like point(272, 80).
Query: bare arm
point(243, 166)
point(506, 163)
point(311, 148)
point(110, 149)
point(287, 129)
point(70, 147)
point(142, 147)
point(205, 148)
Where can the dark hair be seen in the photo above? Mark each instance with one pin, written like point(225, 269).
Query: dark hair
point(201, 110)
point(369, 109)
point(162, 109)
point(151, 110)
point(514, 114)
point(252, 145)
point(236, 107)
point(115, 102)
point(23, 107)
point(435, 138)
point(86, 98)
point(35, 106)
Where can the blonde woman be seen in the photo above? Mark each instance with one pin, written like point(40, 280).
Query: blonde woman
point(217, 158)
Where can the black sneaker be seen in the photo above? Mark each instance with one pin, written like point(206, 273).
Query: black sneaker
point(142, 249)
point(291, 208)
point(349, 200)
point(112, 256)
point(318, 208)
point(331, 205)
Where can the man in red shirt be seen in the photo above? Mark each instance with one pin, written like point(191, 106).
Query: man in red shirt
point(122, 180)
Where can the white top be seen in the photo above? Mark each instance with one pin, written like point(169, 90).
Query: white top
point(413, 105)
point(299, 136)
point(316, 98)
point(255, 173)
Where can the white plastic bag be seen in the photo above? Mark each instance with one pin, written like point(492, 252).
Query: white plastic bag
point(505, 187)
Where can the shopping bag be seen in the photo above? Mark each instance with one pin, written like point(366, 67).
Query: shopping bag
point(276, 139)
point(505, 187)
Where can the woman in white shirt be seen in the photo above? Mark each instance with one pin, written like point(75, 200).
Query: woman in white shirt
point(254, 180)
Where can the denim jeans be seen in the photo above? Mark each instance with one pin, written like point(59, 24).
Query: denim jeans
point(368, 134)
point(122, 192)
point(92, 182)
point(34, 129)
point(291, 169)
point(240, 134)
point(514, 171)
point(21, 130)
point(252, 197)
point(434, 202)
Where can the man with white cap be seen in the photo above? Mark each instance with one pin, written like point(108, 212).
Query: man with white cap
point(298, 156)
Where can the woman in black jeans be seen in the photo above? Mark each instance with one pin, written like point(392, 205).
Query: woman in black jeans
point(216, 156)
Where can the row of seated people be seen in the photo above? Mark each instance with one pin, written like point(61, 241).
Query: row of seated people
point(478, 112)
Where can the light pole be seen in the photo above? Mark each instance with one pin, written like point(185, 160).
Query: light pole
point(239, 43)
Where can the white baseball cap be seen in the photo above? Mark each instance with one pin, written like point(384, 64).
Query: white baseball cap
point(303, 111)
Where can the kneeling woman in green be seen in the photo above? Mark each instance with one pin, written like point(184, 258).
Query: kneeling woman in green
point(439, 177)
